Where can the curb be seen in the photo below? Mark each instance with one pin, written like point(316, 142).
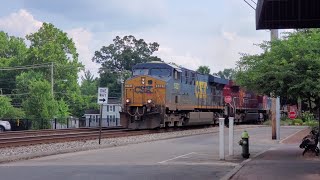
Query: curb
point(230, 174)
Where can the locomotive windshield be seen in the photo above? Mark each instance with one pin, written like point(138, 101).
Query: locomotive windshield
point(160, 72)
point(137, 72)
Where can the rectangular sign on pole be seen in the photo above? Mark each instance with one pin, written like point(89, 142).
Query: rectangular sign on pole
point(102, 95)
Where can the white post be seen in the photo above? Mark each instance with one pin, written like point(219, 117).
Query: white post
point(221, 138)
point(231, 120)
point(278, 118)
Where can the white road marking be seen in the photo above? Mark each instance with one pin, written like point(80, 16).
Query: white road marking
point(177, 157)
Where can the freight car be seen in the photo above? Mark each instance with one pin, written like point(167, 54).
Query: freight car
point(163, 95)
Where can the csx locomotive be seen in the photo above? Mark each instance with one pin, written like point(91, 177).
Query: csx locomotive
point(163, 95)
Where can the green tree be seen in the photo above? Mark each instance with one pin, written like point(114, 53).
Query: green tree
point(289, 67)
point(40, 105)
point(62, 112)
point(226, 73)
point(121, 55)
point(5, 105)
point(203, 70)
point(50, 44)
point(13, 51)
point(89, 88)
point(7, 111)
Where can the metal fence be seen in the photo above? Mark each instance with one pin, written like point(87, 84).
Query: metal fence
point(38, 124)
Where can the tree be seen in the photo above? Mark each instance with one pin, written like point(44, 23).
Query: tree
point(5, 105)
point(203, 70)
point(289, 67)
point(40, 106)
point(50, 44)
point(62, 112)
point(89, 87)
point(7, 111)
point(121, 55)
point(13, 51)
point(226, 73)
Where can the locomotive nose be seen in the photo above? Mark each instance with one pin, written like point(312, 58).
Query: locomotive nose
point(143, 91)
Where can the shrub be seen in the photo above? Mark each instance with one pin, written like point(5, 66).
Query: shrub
point(297, 122)
point(307, 116)
point(311, 123)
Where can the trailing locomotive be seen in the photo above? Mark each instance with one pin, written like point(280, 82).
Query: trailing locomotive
point(164, 95)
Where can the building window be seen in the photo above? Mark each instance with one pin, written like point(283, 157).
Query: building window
point(107, 108)
point(114, 108)
point(110, 108)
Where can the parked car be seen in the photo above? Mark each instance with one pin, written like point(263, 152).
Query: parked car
point(4, 126)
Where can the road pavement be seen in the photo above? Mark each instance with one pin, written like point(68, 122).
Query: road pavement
point(193, 157)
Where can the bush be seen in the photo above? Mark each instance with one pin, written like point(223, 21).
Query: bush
point(297, 122)
point(311, 123)
point(307, 116)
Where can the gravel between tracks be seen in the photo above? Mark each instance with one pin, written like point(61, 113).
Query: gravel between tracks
point(28, 152)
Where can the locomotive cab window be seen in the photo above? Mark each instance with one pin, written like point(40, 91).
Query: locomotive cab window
point(137, 72)
point(163, 72)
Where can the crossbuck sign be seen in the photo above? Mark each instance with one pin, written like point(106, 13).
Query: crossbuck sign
point(102, 95)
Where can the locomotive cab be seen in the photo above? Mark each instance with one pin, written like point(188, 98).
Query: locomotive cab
point(145, 95)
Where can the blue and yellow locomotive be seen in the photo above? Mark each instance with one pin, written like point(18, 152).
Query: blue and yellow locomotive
point(164, 95)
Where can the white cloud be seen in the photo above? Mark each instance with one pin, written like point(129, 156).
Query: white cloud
point(185, 60)
point(83, 41)
point(229, 35)
point(20, 23)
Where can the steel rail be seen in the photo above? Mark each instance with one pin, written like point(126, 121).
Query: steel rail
point(49, 131)
point(66, 137)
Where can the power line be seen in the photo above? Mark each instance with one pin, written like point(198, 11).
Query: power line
point(33, 66)
point(250, 4)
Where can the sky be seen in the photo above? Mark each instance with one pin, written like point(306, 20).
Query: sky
point(190, 33)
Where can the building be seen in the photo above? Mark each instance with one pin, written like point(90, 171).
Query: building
point(110, 114)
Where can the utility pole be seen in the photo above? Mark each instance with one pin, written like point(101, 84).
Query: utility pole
point(275, 106)
point(52, 79)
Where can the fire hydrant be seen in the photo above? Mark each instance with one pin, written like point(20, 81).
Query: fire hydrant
point(244, 142)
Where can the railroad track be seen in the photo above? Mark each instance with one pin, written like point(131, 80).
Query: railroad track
point(49, 131)
point(15, 141)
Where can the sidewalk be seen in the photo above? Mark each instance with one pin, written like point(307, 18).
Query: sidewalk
point(283, 162)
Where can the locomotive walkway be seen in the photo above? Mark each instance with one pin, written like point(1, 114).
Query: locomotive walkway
point(283, 162)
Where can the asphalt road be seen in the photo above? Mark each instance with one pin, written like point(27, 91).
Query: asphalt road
point(193, 157)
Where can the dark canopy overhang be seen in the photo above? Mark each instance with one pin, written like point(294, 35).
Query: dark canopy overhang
point(287, 14)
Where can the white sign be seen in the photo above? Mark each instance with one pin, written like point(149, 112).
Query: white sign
point(102, 95)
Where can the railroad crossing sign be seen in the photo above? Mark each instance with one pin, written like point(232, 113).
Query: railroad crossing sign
point(292, 115)
point(102, 95)
point(227, 99)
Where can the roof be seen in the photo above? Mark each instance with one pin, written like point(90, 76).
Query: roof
point(218, 80)
point(156, 64)
point(287, 14)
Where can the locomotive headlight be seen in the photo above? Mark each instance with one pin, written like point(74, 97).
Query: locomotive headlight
point(143, 80)
point(149, 101)
point(127, 100)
